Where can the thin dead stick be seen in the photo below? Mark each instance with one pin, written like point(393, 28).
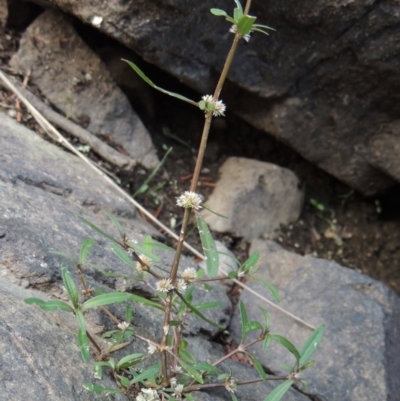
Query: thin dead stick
point(101, 148)
point(52, 131)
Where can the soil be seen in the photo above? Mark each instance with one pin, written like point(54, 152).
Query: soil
point(336, 223)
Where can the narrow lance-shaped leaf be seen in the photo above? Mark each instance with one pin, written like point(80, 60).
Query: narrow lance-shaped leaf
point(144, 251)
point(145, 301)
point(271, 288)
point(49, 305)
point(66, 256)
point(258, 366)
point(70, 286)
point(122, 255)
point(116, 223)
point(192, 372)
point(146, 374)
point(244, 319)
point(97, 389)
point(251, 261)
point(83, 342)
point(288, 345)
point(198, 313)
point(209, 247)
point(278, 392)
point(218, 12)
point(129, 360)
point(311, 344)
point(105, 299)
point(85, 248)
point(97, 229)
point(149, 82)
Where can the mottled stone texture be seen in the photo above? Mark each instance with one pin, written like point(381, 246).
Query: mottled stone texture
point(326, 82)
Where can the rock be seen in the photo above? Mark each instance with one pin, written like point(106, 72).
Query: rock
point(3, 13)
point(323, 83)
point(255, 197)
point(75, 81)
point(40, 360)
point(358, 358)
point(42, 191)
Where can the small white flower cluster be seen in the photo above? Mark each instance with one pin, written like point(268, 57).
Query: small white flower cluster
point(181, 286)
point(231, 385)
point(189, 274)
point(147, 394)
point(164, 285)
point(123, 326)
point(189, 200)
point(145, 265)
point(219, 107)
point(152, 349)
point(235, 31)
point(178, 388)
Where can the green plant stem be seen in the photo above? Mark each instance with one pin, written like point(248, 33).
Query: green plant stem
point(193, 187)
point(94, 343)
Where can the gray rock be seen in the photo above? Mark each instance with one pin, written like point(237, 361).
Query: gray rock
point(43, 189)
point(256, 198)
point(325, 82)
point(358, 358)
point(75, 81)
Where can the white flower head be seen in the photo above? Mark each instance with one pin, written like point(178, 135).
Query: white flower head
point(152, 349)
point(147, 394)
point(189, 274)
point(190, 200)
point(123, 326)
point(145, 265)
point(173, 382)
point(181, 286)
point(217, 106)
point(178, 391)
point(230, 385)
point(234, 30)
point(164, 285)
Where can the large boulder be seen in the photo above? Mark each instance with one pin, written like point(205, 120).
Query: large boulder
point(326, 82)
point(358, 359)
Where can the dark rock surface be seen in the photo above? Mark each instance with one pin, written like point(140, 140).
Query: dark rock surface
point(73, 78)
point(326, 82)
point(42, 190)
point(358, 358)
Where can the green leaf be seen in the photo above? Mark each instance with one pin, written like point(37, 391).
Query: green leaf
point(85, 248)
point(129, 360)
point(209, 305)
point(192, 372)
point(238, 11)
point(124, 381)
point(122, 255)
point(279, 392)
point(128, 313)
point(266, 342)
point(49, 305)
point(116, 223)
point(81, 320)
point(154, 172)
point(251, 261)
point(245, 24)
point(95, 388)
point(95, 228)
point(218, 12)
point(206, 367)
point(70, 286)
point(272, 289)
point(105, 299)
point(263, 26)
point(258, 366)
point(187, 356)
point(144, 251)
point(83, 343)
point(252, 326)
point(243, 318)
point(287, 344)
point(311, 344)
point(209, 248)
point(147, 373)
point(149, 82)
point(198, 313)
point(66, 256)
point(213, 212)
point(266, 318)
point(146, 301)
